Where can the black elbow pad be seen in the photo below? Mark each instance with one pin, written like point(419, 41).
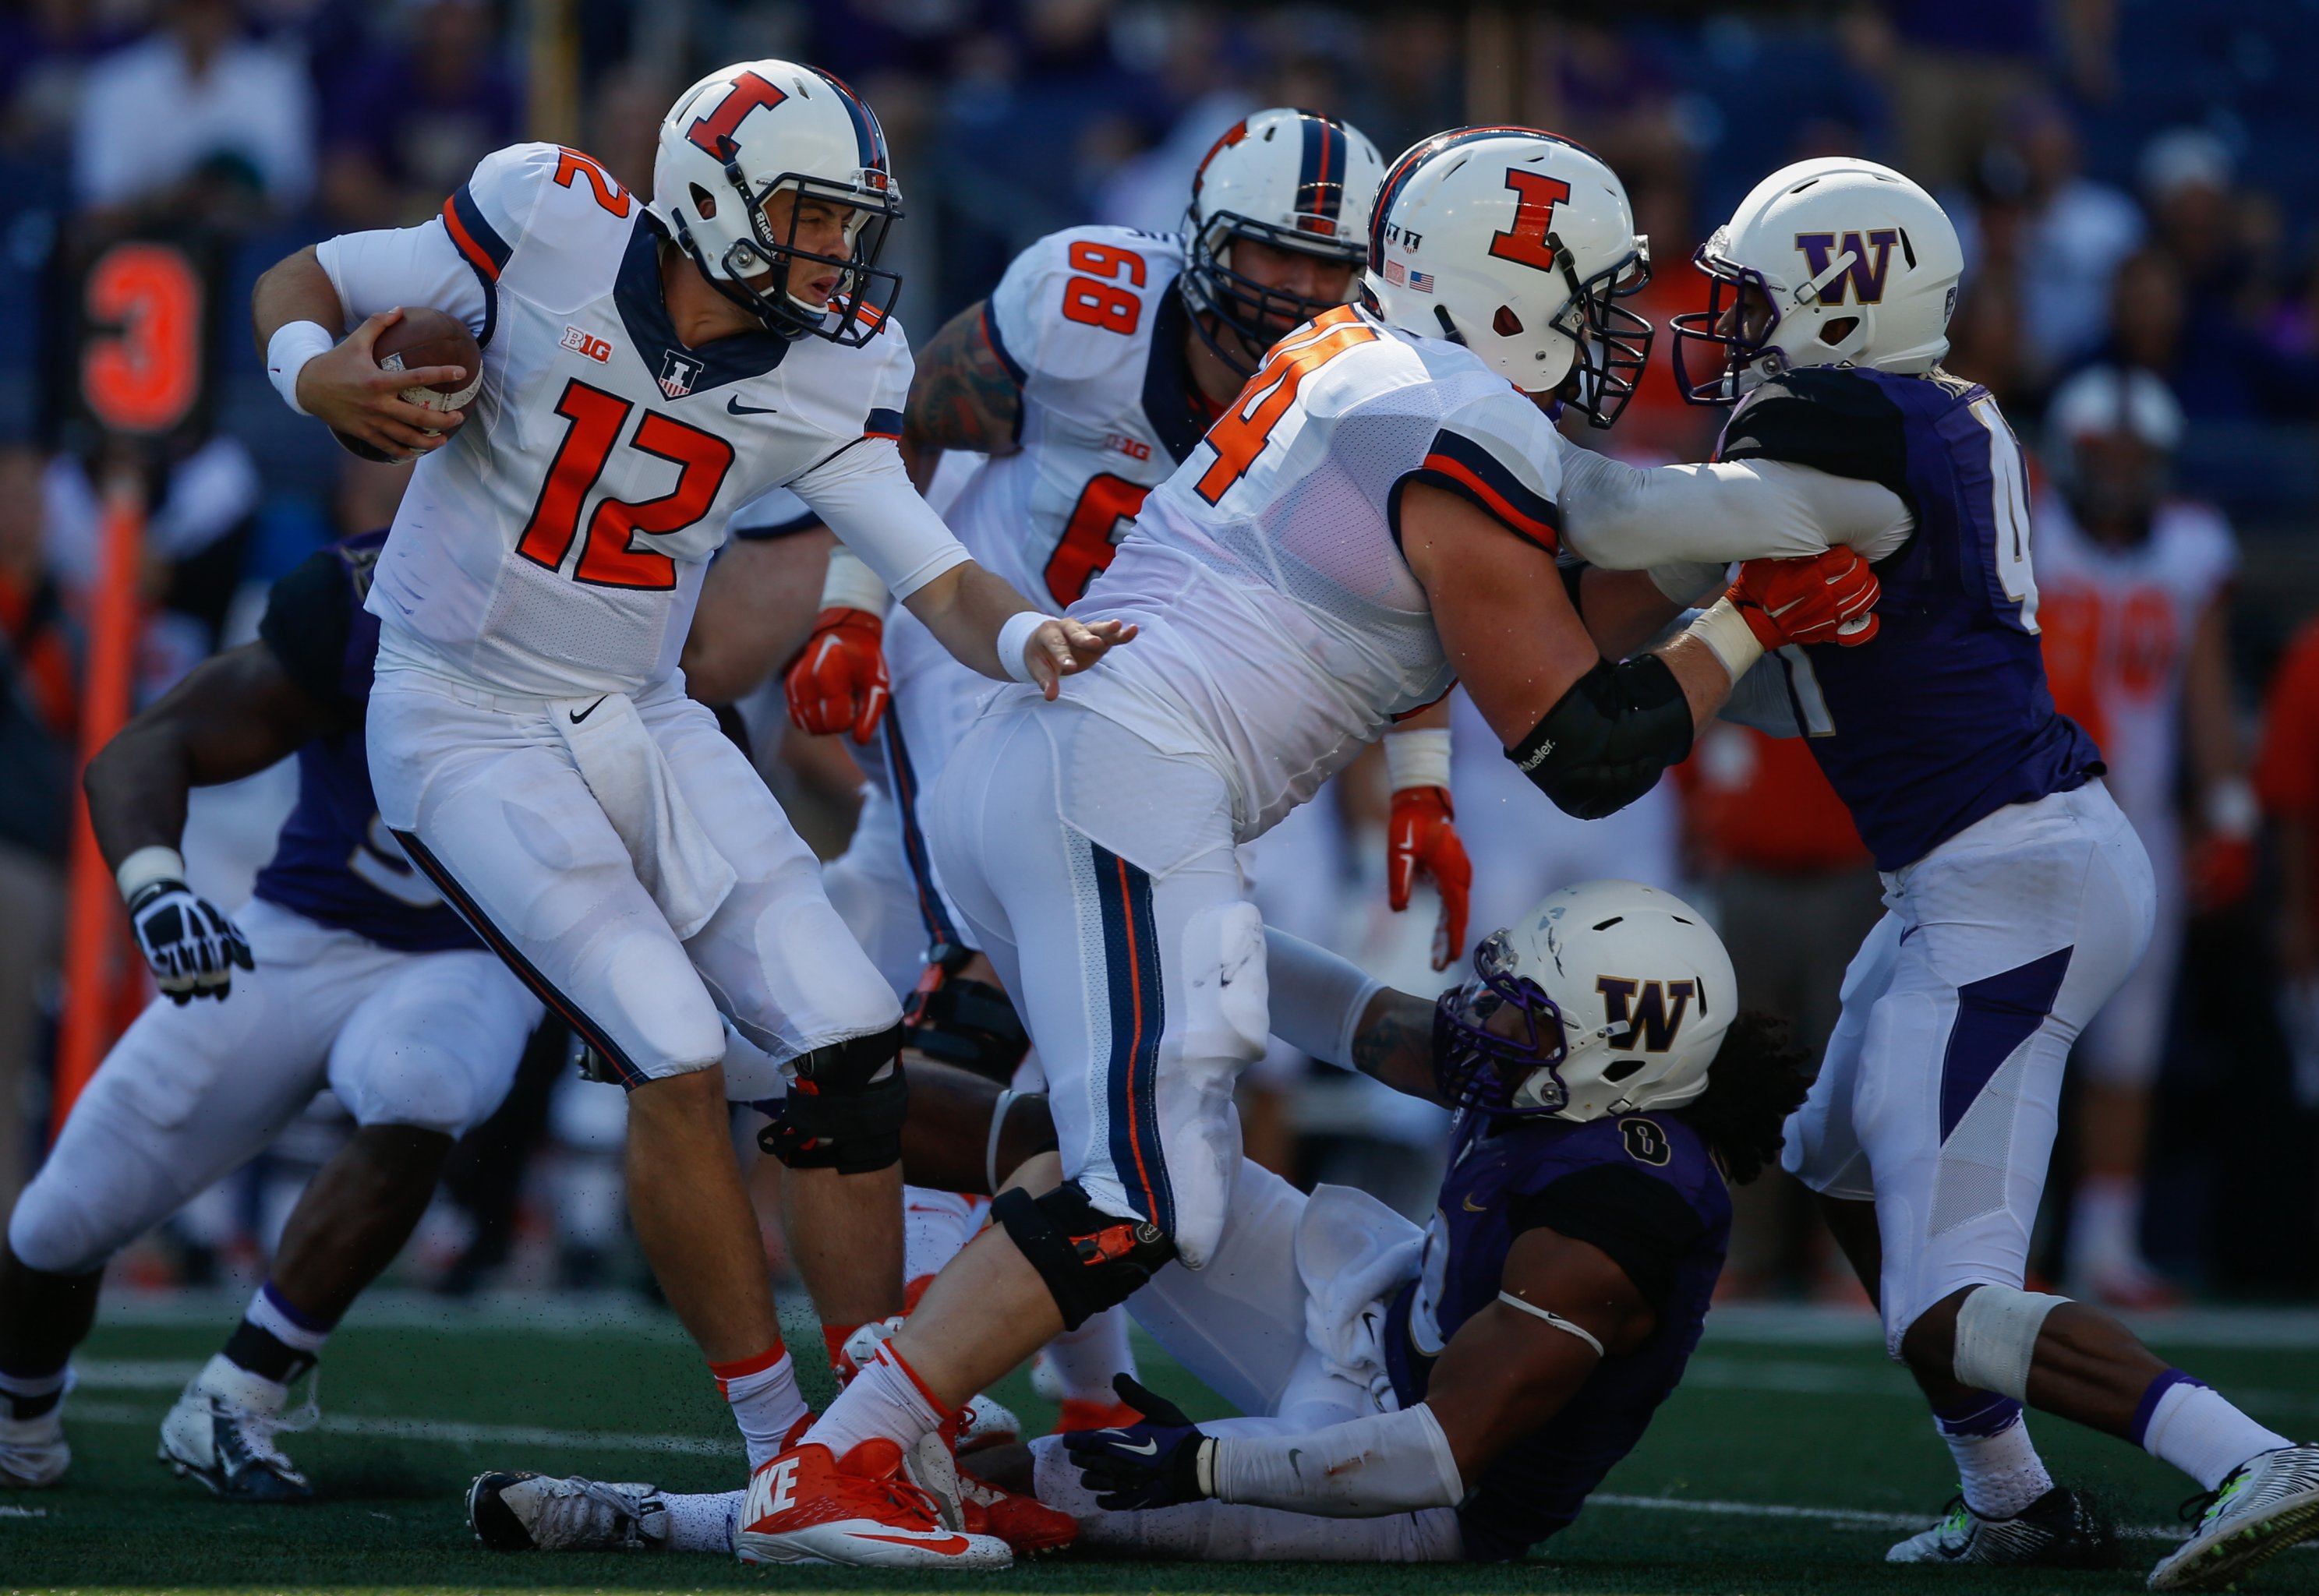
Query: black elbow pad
point(1604, 744)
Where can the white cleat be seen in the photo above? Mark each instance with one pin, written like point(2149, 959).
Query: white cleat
point(221, 1431)
point(511, 1510)
point(806, 1506)
point(987, 1422)
point(2262, 1507)
point(33, 1452)
point(2058, 1531)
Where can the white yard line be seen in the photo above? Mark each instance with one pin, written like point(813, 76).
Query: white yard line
point(448, 1433)
point(1809, 1324)
point(1792, 1377)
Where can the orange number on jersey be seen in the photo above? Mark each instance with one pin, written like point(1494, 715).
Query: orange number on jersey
point(608, 561)
point(145, 378)
point(571, 164)
point(1103, 304)
point(1239, 437)
point(1087, 545)
point(1525, 242)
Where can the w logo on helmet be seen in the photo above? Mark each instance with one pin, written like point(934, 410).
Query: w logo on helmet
point(1630, 1007)
point(1865, 282)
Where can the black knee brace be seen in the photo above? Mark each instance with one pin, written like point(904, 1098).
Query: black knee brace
point(1089, 1259)
point(846, 1108)
point(967, 1022)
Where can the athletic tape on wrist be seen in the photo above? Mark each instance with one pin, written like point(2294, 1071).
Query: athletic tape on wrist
point(147, 865)
point(292, 345)
point(1418, 757)
point(1727, 636)
point(1014, 637)
point(1997, 1339)
point(851, 584)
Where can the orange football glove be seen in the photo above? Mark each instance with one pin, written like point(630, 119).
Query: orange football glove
point(1830, 598)
point(1424, 836)
point(838, 681)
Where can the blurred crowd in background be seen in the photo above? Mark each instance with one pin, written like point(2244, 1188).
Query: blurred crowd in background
point(2137, 184)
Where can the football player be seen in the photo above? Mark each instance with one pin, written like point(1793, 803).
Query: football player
point(2133, 605)
point(1454, 1394)
point(647, 368)
point(346, 971)
point(1374, 514)
point(2020, 897)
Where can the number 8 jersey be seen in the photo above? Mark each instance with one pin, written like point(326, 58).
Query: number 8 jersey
point(556, 545)
point(1282, 629)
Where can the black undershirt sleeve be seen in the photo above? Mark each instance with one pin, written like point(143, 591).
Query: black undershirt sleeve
point(1643, 1224)
point(1832, 419)
point(305, 626)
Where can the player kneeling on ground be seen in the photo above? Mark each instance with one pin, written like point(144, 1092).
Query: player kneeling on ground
point(1464, 1388)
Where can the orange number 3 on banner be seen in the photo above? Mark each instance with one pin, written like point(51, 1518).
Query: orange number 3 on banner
point(144, 378)
point(1239, 437)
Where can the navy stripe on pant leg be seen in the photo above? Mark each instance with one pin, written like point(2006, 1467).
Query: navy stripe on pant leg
point(456, 896)
point(1131, 953)
point(1995, 1015)
point(904, 779)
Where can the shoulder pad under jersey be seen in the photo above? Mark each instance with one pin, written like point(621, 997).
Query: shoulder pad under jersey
point(1833, 418)
point(559, 197)
point(1072, 318)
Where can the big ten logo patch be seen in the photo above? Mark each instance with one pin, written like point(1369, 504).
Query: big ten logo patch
point(599, 350)
point(1133, 448)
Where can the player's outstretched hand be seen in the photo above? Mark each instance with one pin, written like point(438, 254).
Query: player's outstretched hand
point(838, 681)
point(1424, 836)
point(1064, 647)
point(1153, 1464)
point(347, 390)
point(188, 941)
point(1830, 598)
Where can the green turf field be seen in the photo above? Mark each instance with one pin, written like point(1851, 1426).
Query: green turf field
point(1790, 1460)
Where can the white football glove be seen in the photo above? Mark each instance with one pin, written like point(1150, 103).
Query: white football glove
point(188, 941)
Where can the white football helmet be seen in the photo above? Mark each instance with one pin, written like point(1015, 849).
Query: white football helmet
point(739, 136)
point(1516, 244)
point(1609, 998)
point(1860, 266)
point(1293, 179)
point(2086, 420)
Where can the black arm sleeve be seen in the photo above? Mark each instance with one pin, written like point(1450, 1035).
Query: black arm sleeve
point(305, 626)
point(1604, 742)
point(1643, 1224)
point(1832, 419)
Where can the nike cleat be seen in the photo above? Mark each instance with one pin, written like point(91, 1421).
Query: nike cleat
point(806, 1506)
point(1084, 1412)
point(221, 1431)
point(32, 1451)
point(1029, 1527)
point(2058, 1531)
point(511, 1511)
point(2262, 1507)
point(986, 1423)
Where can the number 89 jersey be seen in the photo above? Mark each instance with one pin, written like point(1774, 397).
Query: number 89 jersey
point(1089, 325)
point(555, 546)
point(1281, 628)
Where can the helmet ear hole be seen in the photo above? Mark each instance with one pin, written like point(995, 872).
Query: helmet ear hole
point(704, 204)
point(1506, 324)
point(1836, 332)
point(1621, 1069)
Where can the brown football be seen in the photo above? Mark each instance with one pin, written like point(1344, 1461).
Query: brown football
point(426, 336)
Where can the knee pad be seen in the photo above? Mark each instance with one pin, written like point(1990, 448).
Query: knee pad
point(845, 1107)
point(48, 1234)
point(966, 1023)
point(1997, 1338)
point(1089, 1259)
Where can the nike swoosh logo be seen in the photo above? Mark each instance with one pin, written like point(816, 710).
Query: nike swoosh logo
point(734, 407)
point(1474, 1207)
point(1145, 1450)
point(580, 715)
point(950, 1547)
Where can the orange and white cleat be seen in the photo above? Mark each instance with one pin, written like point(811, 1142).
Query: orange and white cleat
point(1029, 1527)
point(806, 1506)
point(1087, 1412)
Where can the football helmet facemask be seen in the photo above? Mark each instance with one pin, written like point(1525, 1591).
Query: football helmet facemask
point(1521, 1036)
point(1518, 244)
point(1296, 180)
point(747, 132)
point(1854, 265)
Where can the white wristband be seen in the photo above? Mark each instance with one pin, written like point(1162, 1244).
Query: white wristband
point(1014, 637)
point(1417, 757)
point(147, 865)
point(1726, 632)
point(851, 585)
point(292, 345)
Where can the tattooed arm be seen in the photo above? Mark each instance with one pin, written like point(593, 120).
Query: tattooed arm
point(1326, 1005)
point(1394, 1043)
point(961, 398)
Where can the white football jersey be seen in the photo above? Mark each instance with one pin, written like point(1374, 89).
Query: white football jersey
point(1281, 628)
point(1091, 329)
point(556, 545)
point(2116, 623)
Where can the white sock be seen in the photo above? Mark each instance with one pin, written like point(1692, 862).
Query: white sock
point(885, 1399)
point(1085, 1359)
point(244, 1388)
point(2105, 1221)
point(765, 1399)
point(1998, 1468)
point(702, 1523)
point(2192, 1425)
